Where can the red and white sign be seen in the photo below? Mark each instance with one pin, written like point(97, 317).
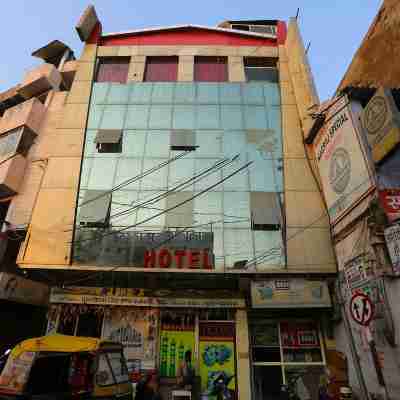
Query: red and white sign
point(171, 258)
point(361, 309)
point(390, 201)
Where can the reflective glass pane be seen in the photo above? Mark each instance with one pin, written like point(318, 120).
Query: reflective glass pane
point(86, 166)
point(162, 93)
point(230, 93)
point(264, 176)
point(218, 244)
point(231, 117)
point(102, 173)
point(253, 94)
point(134, 143)
point(269, 249)
point(151, 212)
point(272, 94)
point(180, 171)
point(237, 210)
point(185, 93)
point(137, 117)
point(275, 123)
point(118, 94)
point(234, 142)
point(207, 93)
point(158, 144)
point(238, 245)
point(209, 144)
point(121, 204)
point(99, 93)
point(239, 181)
point(113, 117)
point(90, 145)
point(255, 117)
point(160, 117)
point(184, 117)
point(207, 181)
point(140, 93)
point(158, 178)
point(129, 168)
point(207, 117)
point(208, 209)
point(95, 116)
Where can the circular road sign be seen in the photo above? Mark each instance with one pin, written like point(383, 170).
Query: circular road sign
point(361, 309)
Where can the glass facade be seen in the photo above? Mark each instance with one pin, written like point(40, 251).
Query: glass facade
point(226, 120)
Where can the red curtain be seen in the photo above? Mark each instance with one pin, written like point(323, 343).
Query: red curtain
point(210, 69)
point(113, 70)
point(161, 69)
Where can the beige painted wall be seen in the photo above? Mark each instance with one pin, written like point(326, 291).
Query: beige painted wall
point(242, 356)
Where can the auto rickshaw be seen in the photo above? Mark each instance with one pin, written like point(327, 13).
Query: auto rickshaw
point(65, 367)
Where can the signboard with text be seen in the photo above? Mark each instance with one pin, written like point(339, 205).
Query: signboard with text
point(390, 201)
point(392, 237)
point(341, 161)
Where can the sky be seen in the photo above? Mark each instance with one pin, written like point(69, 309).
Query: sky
point(333, 28)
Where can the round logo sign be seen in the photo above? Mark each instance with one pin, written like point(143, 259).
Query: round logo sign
point(340, 170)
point(361, 309)
point(375, 115)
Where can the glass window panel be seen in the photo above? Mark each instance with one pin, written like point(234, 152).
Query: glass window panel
point(209, 144)
point(304, 381)
point(184, 117)
point(272, 94)
point(185, 93)
point(234, 142)
point(151, 210)
point(264, 174)
point(137, 117)
point(118, 94)
point(231, 117)
point(160, 117)
point(129, 168)
point(238, 244)
point(140, 93)
point(162, 93)
point(239, 181)
point(269, 243)
point(85, 173)
point(112, 69)
point(157, 179)
point(95, 116)
point(134, 143)
point(218, 245)
point(230, 93)
point(90, 145)
point(274, 117)
point(237, 210)
point(262, 74)
point(99, 92)
point(266, 354)
point(208, 209)
point(207, 93)
point(207, 117)
point(205, 182)
point(102, 173)
point(158, 144)
point(179, 171)
point(255, 117)
point(161, 69)
point(113, 117)
point(253, 94)
point(121, 204)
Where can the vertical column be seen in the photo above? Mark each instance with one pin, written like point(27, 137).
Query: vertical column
point(186, 69)
point(236, 69)
point(137, 66)
point(242, 355)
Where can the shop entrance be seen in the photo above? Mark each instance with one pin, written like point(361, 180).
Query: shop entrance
point(286, 352)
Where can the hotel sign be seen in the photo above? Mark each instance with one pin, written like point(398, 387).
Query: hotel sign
point(341, 161)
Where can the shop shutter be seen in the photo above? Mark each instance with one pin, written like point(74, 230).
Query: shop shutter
point(113, 69)
point(183, 139)
point(161, 69)
point(265, 211)
point(181, 216)
point(210, 69)
point(95, 208)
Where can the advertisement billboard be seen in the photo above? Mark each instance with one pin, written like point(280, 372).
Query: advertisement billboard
point(341, 161)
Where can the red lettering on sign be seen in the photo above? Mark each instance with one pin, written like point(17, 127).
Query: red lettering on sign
point(206, 260)
point(164, 258)
point(194, 259)
point(149, 258)
point(179, 255)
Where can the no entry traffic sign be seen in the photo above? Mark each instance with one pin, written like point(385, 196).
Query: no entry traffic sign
point(361, 309)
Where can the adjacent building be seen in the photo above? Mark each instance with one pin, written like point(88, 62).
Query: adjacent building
point(169, 201)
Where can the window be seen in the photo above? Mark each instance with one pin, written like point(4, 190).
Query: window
point(210, 69)
point(89, 325)
point(241, 27)
point(181, 216)
point(182, 140)
point(261, 69)
point(264, 29)
point(161, 69)
point(265, 211)
point(16, 141)
point(95, 209)
point(113, 69)
point(109, 141)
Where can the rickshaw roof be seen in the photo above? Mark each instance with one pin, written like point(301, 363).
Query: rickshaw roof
point(61, 343)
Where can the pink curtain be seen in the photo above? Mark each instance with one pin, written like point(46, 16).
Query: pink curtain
point(113, 70)
point(161, 69)
point(210, 69)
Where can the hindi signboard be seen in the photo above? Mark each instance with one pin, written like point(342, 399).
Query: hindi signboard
point(392, 237)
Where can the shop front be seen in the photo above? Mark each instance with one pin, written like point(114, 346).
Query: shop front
point(287, 345)
point(158, 329)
